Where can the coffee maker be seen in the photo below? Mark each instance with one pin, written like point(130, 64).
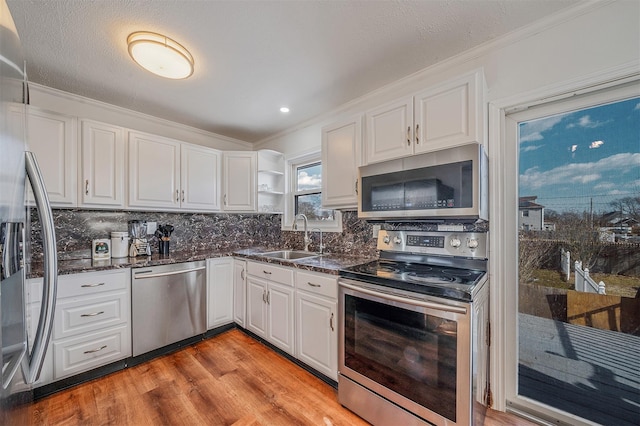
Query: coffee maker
point(138, 233)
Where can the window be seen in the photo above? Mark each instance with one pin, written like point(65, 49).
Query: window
point(575, 336)
point(305, 176)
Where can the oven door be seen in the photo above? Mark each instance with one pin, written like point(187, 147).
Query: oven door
point(415, 352)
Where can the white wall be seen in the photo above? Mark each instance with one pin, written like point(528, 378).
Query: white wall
point(580, 42)
point(78, 106)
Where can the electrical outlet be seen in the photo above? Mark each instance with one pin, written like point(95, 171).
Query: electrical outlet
point(151, 227)
point(376, 229)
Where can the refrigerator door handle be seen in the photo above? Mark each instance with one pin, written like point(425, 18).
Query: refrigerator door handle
point(32, 363)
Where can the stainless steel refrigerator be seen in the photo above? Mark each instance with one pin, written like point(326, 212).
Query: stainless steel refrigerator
point(22, 353)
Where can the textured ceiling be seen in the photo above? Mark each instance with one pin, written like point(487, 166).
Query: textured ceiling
point(254, 56)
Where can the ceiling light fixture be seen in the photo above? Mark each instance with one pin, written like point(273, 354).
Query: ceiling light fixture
point(284, 109)
point(160, 55)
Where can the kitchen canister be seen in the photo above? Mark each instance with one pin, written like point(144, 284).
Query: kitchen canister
point(100, 249)
point(119, 244)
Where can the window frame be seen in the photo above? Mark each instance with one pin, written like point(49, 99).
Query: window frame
point(291, 176)
point(507, 298)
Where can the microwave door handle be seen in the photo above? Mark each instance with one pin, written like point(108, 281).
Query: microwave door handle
point(32, 363)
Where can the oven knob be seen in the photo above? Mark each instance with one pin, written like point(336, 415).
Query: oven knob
point(472, 243)
point(386, 239)
point(455, 242)
point(397, 240)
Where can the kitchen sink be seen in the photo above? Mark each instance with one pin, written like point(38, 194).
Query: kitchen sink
point(290, 254)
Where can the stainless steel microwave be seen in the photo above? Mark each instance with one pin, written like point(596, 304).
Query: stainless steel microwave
point(446, 184)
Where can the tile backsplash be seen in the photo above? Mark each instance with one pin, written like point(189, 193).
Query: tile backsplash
point(75, 229)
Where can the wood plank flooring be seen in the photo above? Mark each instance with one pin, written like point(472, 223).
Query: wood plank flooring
point(230, 379)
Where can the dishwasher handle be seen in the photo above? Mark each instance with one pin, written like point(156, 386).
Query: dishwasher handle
point(138, 275)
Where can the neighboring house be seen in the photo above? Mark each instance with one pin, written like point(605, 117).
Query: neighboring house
point(618, 223)
point(531, 214)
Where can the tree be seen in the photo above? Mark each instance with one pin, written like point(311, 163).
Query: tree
point(580, 236)
point(628, 206)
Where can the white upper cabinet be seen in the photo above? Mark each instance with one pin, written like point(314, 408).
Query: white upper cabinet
point(240, 181)
point(154, 171)
point(446, 115)
point(103, 165)
point(270, 181)
point(341, 156)
point(389, 131)
point(200, 178)
point(53, 139)
point(450, 114)
point(170, 175)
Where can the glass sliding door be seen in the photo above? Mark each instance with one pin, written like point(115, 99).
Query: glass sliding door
point(577, 333)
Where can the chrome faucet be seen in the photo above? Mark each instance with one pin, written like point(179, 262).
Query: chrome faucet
point(320, 246)
point(307, 240)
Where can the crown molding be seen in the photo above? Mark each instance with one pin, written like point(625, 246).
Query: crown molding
point(153, 119)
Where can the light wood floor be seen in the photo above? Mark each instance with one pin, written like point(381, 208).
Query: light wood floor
point(230, 379)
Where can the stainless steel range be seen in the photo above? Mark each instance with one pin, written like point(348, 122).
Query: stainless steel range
point(413, 330)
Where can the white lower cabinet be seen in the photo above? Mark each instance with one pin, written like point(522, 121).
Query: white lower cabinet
point(317, 322)
point(297, 311)
point(270, 300)
point(91, 325)
point(220, 286)
point(239, 291)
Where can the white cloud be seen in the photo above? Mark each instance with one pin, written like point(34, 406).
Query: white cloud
point(307, 181)
point(604, 186)
point(533, 178)
point(585, 121)
point(596, 144)
point(532, 130)
point(531, 148)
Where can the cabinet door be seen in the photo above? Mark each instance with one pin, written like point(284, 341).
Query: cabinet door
point(450, 114)
point(200, 178)
point(390, 131)
point(317, 337)
point(256, 306)
point(219, 291)
point(341, 144)
point(154, 171)
point(103, 165)
point(280, 322)
point(239, 291)
point(52, 137)
point(239, 181)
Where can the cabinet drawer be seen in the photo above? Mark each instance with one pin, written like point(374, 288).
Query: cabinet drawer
point(271, 273)
point(322, 284)
point(92, 282)
point(81, 315)
point(75, 355)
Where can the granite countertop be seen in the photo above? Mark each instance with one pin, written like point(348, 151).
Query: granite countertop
point(327, 263)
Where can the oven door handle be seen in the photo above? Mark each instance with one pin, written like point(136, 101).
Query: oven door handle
point(421, 303)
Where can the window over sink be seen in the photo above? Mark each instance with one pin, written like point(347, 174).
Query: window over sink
point(304, 196)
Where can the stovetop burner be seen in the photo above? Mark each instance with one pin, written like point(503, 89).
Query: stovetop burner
point(447, 264)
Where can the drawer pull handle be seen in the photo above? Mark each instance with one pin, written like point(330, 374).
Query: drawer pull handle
point(331, 322)
point(95, 350)
point(93, 314)
point(92, 285)
point(266, 272)
point(313, 285)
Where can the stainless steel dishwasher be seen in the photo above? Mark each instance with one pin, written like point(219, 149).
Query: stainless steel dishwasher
point(168, 305)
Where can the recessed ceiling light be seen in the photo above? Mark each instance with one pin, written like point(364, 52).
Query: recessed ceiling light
point(284, 109)
point(160, 55)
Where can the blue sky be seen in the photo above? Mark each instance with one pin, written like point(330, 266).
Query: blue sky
point(592, 155)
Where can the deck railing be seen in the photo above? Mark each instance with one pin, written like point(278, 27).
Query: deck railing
point(583, 282)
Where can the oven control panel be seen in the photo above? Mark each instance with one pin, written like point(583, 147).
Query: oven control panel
point(464, 244)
